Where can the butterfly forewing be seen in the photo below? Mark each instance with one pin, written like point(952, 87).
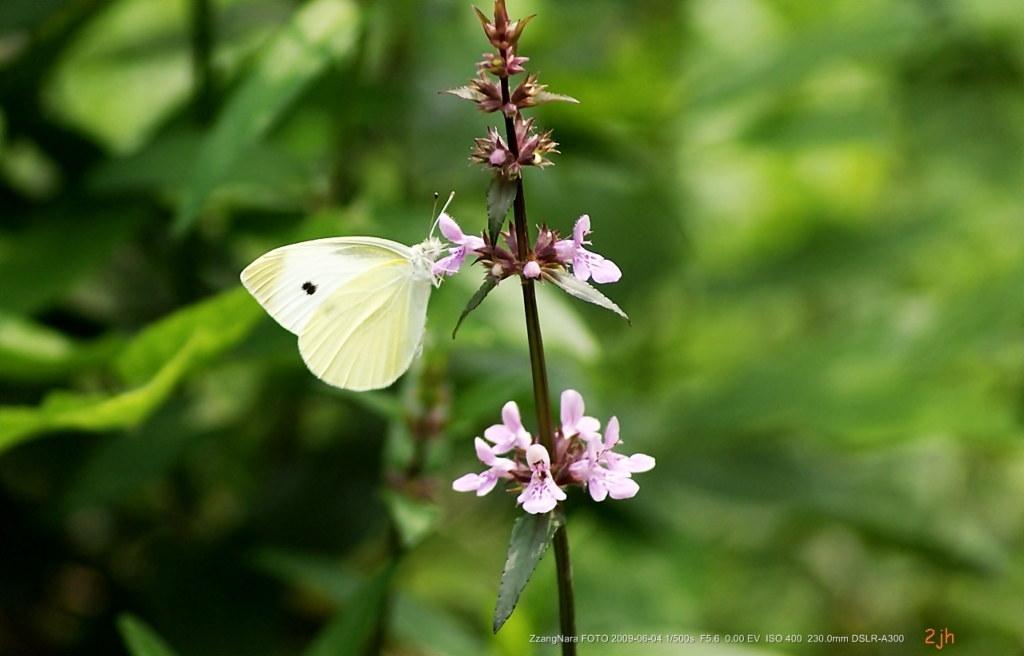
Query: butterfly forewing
point(365, 334)
point(291, 282)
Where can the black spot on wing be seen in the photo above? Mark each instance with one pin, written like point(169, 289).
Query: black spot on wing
point(309, 288)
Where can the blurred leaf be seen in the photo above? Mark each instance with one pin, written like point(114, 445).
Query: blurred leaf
point(501, 193)
point(166, 163)
point(66, 410)
point(220, 322)
point(413, 518)
point(322, 574)
point(381, 404)
point(490, 282)
point(581, 290)
point(140, 638)
point(531, 536)
point(153, 363)
point(879, 34)
point(27, 14)
point(40, 263)
point(123, 74)
point(125, 461)
point(30, 351)
point(439, 632)
point(320, 32)
point(413, 621)
point(350, 634)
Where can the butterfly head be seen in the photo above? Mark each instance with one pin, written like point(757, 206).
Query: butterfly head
point(423, 257)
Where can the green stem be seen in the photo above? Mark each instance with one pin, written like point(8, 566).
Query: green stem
point(541, 395)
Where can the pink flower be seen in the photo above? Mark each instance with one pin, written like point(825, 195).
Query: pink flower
point(581, 457)
point(541, 495)
point(466, 244)
point(615, 480)
point(531, 269)
point(510, 433)
point(584, 263)
point(485, 482)
point(638, 462)
point(573, 421)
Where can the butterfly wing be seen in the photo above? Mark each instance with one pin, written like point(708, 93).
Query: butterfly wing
point(291, 282)
point(366, 333)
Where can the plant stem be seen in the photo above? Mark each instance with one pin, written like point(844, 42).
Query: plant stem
point(541, 395)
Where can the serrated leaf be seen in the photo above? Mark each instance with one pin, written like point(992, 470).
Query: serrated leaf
point(546, 97)
point(531, 536)
point(490, 282)
point(581, 290)
point(413, 519)
point(349, 634)
point(500, 196)
point(321, 32)
point(140, 638)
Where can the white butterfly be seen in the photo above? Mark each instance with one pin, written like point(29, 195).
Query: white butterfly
point(358, 304)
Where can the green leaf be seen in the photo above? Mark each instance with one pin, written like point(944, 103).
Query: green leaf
point(500, 195)
point(546, 97)
point(27, 14)
point(531, 536)
point(581, 290)
point(223, 321)
point(122, 463)
point(153, 363)
point(413, 519)
point(466, 93)
point(318, 34)
point(39, 264)
point(166, 163)
point(490, 282)
point(417, 623)
point(140, 638)
point(414, 621)
point(380, 404)
point(67, 410)
point(324, 575)
point(349, 634)
point(30, 351)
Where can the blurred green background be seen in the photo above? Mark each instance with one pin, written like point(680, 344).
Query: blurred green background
point(818, 209)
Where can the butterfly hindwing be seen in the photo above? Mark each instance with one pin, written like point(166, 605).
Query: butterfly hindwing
point(291, 282)
point(366, 333)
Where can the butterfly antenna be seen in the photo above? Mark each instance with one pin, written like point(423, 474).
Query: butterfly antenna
point(447, 203)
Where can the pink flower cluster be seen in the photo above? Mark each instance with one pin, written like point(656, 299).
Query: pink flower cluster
point(582, 457)
point(548, 251)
